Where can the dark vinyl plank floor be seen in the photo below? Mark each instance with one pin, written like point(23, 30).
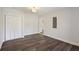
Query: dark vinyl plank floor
point(37, 42)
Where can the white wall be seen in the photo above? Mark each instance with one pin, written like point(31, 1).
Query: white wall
point(75, 25)
point(30, 24)
point(66, 30)
point(1, 27)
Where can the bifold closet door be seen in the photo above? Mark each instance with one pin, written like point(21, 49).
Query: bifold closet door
point(13, 27)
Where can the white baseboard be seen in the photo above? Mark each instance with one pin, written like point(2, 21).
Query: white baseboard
point(32, 33)
point(67, 41)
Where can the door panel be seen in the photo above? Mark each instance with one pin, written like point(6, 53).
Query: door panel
point(13, 27)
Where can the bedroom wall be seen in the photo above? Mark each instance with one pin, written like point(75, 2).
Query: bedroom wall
point(30, 24)
point(66, 27)
point(75, 25)
point(1, 27)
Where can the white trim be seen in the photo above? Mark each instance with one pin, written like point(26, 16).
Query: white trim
point(31, 33)
point(70, 42)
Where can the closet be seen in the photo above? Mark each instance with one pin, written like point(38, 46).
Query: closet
point(13, 27)
point(13, 23)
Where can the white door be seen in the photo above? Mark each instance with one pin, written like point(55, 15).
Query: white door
point(13, 27)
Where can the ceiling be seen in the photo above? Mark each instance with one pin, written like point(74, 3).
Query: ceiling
point(41, 11)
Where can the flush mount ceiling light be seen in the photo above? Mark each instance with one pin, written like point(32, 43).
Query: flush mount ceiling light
point(34, 9)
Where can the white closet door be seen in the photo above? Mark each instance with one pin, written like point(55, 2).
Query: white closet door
point(13, 27)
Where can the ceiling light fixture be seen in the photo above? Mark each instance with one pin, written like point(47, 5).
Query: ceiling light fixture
point(34, 9)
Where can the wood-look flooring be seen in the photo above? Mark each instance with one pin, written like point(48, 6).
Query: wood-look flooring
point(37, 42)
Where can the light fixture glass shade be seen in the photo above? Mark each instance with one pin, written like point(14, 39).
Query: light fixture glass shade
point(34, 9)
